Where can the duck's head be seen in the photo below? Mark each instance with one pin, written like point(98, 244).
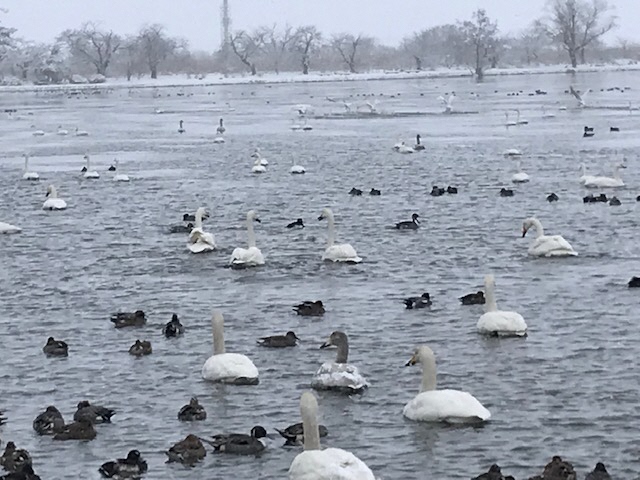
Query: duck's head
point(290, 334)
point(139, 314)
point(415, 217)
point(425, 296)
point(83, 404)
point(190, 227)
point(52, 409)
point(133, 456)
point(494, 469)
point(318, 303)
point(50, 340)
point(600, 467)
point(335, 339)
point(299, 222)
point(258, 432)
point(194, 402)
point(174, 318)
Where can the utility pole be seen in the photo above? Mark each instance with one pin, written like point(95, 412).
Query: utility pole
point(226, 34)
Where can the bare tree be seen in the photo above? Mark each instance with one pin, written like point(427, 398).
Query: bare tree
point(481, 36)
point(6, 40)
point(155, 47)
point(348, 47)
point(533, 40)
point(246, 46)
point(576, 24)
point(277, 44)
point(129, 56)
point(307, 38)
point(92, 45)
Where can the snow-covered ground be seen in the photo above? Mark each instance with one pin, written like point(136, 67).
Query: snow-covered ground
point(294, 77)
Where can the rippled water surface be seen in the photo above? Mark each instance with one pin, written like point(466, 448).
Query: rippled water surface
point(570, 388)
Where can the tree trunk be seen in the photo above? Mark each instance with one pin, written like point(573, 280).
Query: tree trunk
point(572, 57)
point(129, 74)
point(418, 61)
point(253, 68)
point(154, 72)
point(582, 56)
point(478, 62)
point(352, 67)
point(305, 65)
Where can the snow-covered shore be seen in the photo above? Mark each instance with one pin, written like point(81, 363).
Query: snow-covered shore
point(292, 77)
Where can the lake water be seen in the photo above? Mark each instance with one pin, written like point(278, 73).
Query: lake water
point(571, 388)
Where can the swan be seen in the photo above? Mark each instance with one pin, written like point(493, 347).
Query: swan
point(8, 228)
point(512, 152)
point(328, 464)
point(38, 133)
point(27, 175)
point(53, 202)
point(61, 131)
point(296, 169)
point(181, 127)
point(580, 97)
point(252, 256)
point(606, 182)
point(546, 245)
point(199, 240)
point(120, 177)
point(497, 322)
point(518, 120)
point(258, 167)
point(339, 375)
point(337, 253)
point(584, 177)
point(520, 176)
point(507, 122)
point(88, 173)
point(431, 405)
point(220, 130)
point(219, 139)
point(398, 145)
point(222, 367)
point(258, 156)
point(447, 102)
point(81, 133)
point(546, 114)
point(405, 149)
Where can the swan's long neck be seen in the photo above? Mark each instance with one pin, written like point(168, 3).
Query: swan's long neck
point(538, 226)
point(26, 163)
point(343, 352)
point(428, 374)
point(331, 238)
point(309, 412)
point(53, 193)
point(198, 220)
point(519, 166)
point(583, 169)
point(616, 172)
point(218, 334)
point(88, 163)
point(250, 233)
point(490, 304)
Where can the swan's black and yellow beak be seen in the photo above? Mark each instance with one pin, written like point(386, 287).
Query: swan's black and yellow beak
point(321, 217)
point(257, 220)
point(524, 232)
point(411, 362)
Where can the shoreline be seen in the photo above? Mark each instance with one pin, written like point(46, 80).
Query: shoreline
point(212, 80)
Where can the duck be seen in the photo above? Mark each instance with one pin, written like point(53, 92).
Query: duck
point(496, 322)
point(598, 473)
point(250, 256)
point(473, 298)
point(602, 198)
point(193, 411)
point(220, 130)
point(607, 182)
point(437, 191)
point(546, 245)
point(257, 155)
point(55, 348)
point(188, 217)
point(258, 167)
point(181, 129)
point(588, 132)
point(289, 339)
point(297, 223)
point(173, 328)
point(355, 192)
point(24, 473)
point(119, 177)
point(452, 190)
point(310, 309)
point(614, 202)
point(61, 131)
point(49, 422)
point(614, 129)
point(27, 175)
point(558, 469)
point(494, 473)
point(375, 192)
point(634, 282)
point(200, 241)
point(344, 252)
point(131, 467)
point(422, 301)
point(129, 319)
point(181, 228)
point(520, 176)
point(317, 464)
point(412, 224)
point(88, 173)
point(93, 413)
point(552, 197)
point(294, 434)
point(340, 375)
point(112, 168)
point(241, 444)
point(78, 430)
point(506, 192)
point(418, 146)
point(448, 406)
point(223, 367)
point(81, 133)
point(7, 228)
point(52, 201)
point(638, 198)
point(13, 459)
point(188, 451)
point(140, 348)
point(3, 419)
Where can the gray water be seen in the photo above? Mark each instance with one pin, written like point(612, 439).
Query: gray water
point(570, 388)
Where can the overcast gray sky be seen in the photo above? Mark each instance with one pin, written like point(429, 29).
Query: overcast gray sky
point(199, 20)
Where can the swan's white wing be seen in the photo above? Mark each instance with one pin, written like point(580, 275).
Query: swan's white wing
point(602, 182)
point(248, 257)
point(551, 246)
point(228, 367)
point(8, 228)
point(54, 204)
point(502, 324)
point(443, 100)
point(453, 406)
point(341, 253)
point(201, 241)
point(332, 375)
point(331, 463)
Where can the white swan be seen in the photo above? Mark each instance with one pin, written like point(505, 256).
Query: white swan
point(252, 256)
point(512, 152)
point(431, 405)
point(88, 172)
point(222, 367)
point(61, 131)
point(27, 175)
point(519, 121)
point(258, 167)
point(580, 97)
point(219, 139)
point(199, 240)
point(339, 375)
point(402, 148)
point(8, 228)
point(81, 133)
point(328, 464)
point(546, 245)
point(520, 176)
point(498, 322)
point(507, 122)
point(584, 177)
point(38, 133)
point(258, 156)
point(53, 202)
point(546, 114)
point(120, 177)
point(606, 182)
point(399, 144)
point(337, 253)
point(296, 169)
point(448, 102)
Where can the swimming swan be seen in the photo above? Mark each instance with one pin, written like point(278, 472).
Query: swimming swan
point(53, 202)
point(497, 322)
point(252, 256)
point(339, 375)
point(27, 175)
point(88, 172)
point(120, 177)
point(296, 169)
point(8, 228)
point(606, 182)
point(222, 367)
point(337, 253)
point(258, 156)
point(328, 464)
point(258, 167)
point(431, 405)
point(520, 176)
point(546, 245)
point(584, 177)
point(199, 240)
